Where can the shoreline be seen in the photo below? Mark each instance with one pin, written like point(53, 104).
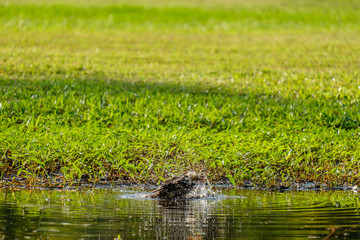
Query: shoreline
point(44, 184)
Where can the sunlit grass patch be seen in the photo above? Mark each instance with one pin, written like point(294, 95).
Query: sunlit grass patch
point(242, 17)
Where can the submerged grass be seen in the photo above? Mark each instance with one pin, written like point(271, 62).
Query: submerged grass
point(267, 94)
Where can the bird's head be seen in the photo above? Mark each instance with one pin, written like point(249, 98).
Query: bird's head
point(193, 175)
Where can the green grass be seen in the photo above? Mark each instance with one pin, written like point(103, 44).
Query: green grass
point(146, 18)
point(267, 93)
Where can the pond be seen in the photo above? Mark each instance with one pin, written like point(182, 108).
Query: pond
point(123, 213)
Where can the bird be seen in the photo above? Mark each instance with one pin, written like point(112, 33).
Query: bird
point(177, 187)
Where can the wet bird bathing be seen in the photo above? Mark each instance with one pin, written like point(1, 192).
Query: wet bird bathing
point(222, 212)
point(177, 187)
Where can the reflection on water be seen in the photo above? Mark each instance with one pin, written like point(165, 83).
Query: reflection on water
point(232, 214)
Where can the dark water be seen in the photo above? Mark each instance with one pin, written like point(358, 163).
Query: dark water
point(231, 214)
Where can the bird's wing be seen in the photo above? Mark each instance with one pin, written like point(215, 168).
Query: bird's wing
point(168, 185)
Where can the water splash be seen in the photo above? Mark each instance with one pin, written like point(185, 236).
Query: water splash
point(201, 191)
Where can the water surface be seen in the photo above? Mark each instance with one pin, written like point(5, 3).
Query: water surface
point(231, 214)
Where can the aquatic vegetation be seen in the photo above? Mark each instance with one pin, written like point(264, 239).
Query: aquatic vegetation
point(266, 95)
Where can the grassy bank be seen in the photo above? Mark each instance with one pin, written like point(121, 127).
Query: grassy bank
point(266, 92)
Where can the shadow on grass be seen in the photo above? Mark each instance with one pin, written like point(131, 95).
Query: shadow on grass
point(332, 112)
